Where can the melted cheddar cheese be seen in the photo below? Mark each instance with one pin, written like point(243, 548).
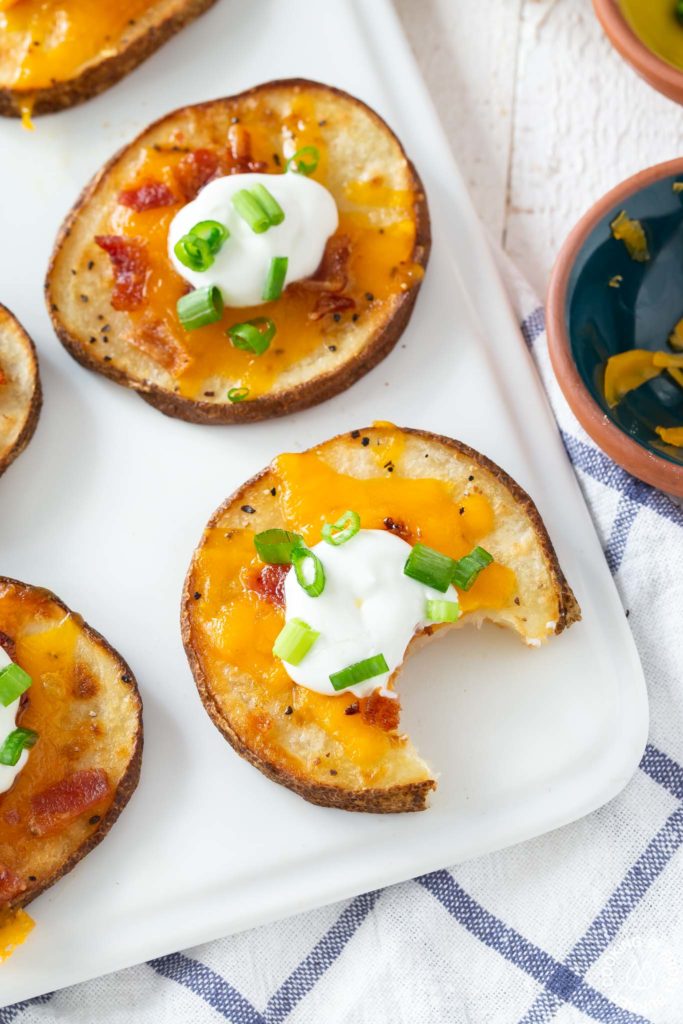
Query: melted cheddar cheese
point(15, 928)
point(43, 41)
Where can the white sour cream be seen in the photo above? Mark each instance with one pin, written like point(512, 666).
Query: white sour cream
point(368, 607)
point(8, 723)
point(241, 266)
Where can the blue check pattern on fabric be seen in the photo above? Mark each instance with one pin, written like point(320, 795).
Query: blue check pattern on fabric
point(469, 924)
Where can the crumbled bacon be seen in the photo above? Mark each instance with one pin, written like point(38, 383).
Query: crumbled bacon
point(328, 303)
point(3, 377)
point(384, 712)
point(8, 645)
point(269, 584)
point(398, 527)
point(332, 275)
point(65, 800)
point(149, 195)
point(10, 884)
point(195, 170)
point(156, 341)
point(239, 151)
point(130, 266)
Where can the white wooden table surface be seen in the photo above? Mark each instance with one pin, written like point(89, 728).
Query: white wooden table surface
point(542, 114)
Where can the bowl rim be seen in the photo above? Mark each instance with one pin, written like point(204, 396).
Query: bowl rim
point(663, 76)
point(632, 456)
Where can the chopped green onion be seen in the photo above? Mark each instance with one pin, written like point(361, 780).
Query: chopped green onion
point(430, 567)
point(359, 672)
point(250, 209)
point(277, 546)
point(15, 744)
point(201, 307)
point(294, 641)
point(13, 682)
point(276, 214)
point(443, 611)
point(304, 161)
point(277, 272)
point(212, 232)
point(300, 557)
point(466, 570)
point(238, 394)
point(346, 527)
point(679, 11)
point(253, 335)
point(194, 253)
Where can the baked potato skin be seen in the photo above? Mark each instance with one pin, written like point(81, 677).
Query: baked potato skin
point(17, 348)
point(400, 798)
point(167, 17)
point(46, 858)
point(333, 380)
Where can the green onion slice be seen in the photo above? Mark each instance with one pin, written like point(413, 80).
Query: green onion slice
point(15, 744)
point(250, 209)
point(359, 672)
point(304, 161)
point(443, 611)
point(430, 567)
point(238, 394)
point(346, 527)
point(294, 641)
point(277, 547)
point(679, 11)
point(277, 271)
point(194, 253)
point(301, 556)
point(201, 307)
point(13, 682)
point(466, 570)
point(253, 335)
point(212, 232)
point(276, 214)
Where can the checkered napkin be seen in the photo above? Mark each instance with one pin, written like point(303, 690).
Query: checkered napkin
point(585, 923)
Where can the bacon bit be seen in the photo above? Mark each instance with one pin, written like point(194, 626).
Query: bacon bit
point(332, 275)
point(8, 645)
point(10, 884)
point(12, 817)
point(399, 527)
point(239, 151)
point(195, 170)
point(3, 377)
point(156, 341)
point(384, 712)
point(59, 804)
point(329, 303)
point(150, 195)
point(269, 584)
point(130, 266)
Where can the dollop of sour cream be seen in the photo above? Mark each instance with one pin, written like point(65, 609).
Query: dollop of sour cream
point(368, 607)
point(8, 723)
point(241, 266)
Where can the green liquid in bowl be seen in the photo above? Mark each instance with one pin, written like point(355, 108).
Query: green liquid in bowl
point(656, 24)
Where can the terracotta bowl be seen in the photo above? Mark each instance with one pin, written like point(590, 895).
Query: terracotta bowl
point(664, 77)
point(601, 302)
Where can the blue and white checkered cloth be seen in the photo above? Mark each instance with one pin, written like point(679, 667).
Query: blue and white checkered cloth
point(585, 923)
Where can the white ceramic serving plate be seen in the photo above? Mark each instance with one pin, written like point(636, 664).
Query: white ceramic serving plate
point(110, 498)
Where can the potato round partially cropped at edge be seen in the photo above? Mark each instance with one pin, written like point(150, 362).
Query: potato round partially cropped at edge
point(331, 329)
point(425, 488)
point(85, 706)
point(109, 41)
point(20, 391)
